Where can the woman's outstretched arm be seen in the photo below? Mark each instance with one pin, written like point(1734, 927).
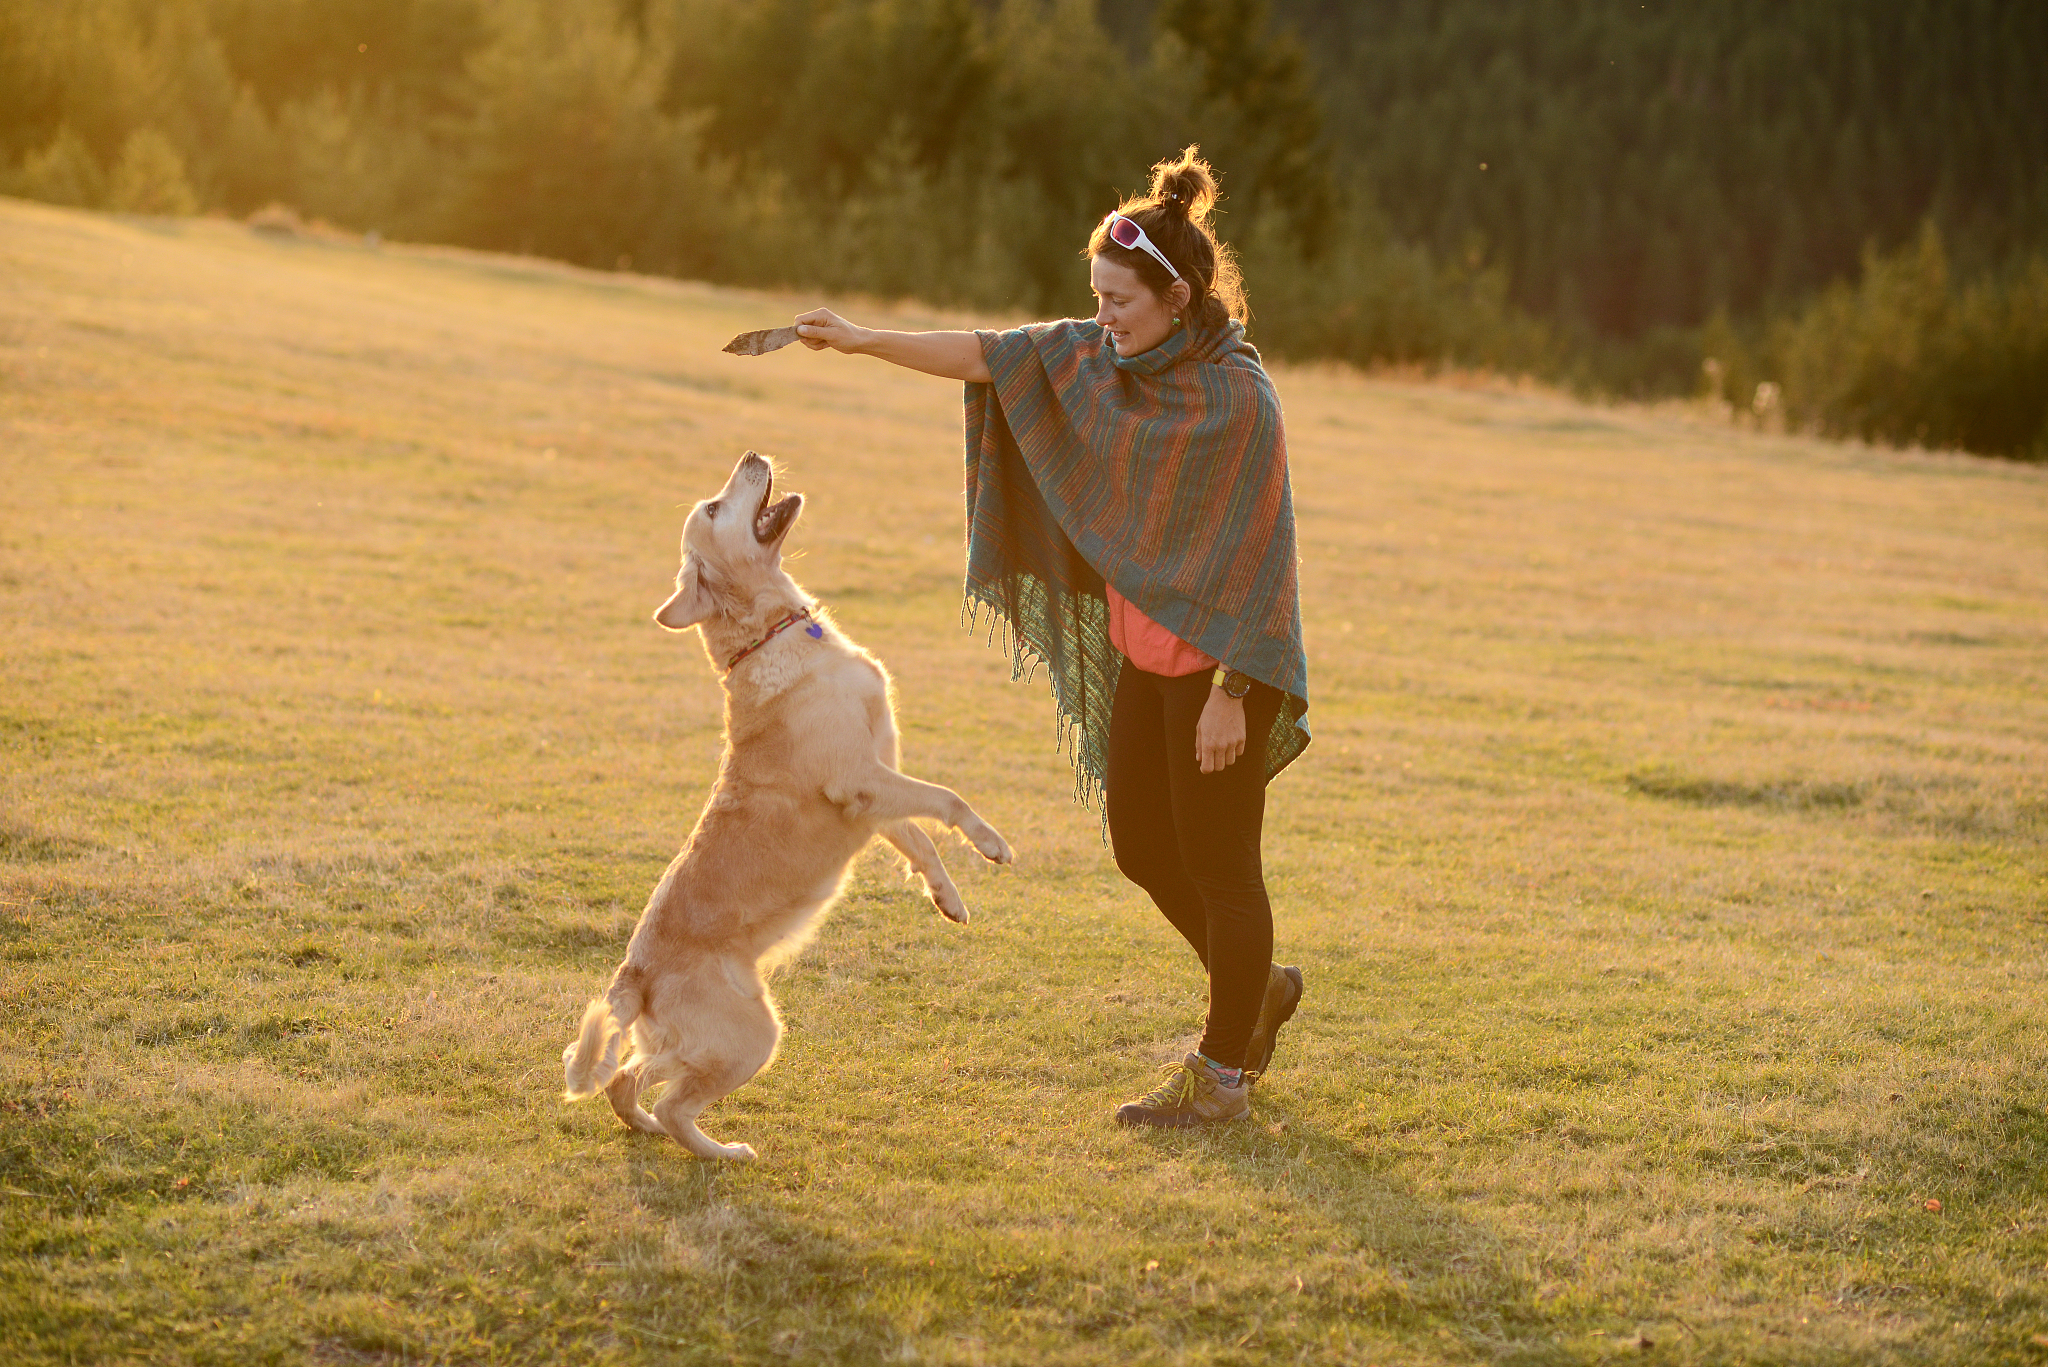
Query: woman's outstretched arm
point(949, 355)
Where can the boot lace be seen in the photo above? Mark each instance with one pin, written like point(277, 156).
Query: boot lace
point(1176, 1089)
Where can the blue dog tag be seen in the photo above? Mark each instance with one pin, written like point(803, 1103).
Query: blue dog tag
point(816, 630)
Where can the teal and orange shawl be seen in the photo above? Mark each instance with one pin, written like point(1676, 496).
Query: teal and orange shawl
point(1164, 474)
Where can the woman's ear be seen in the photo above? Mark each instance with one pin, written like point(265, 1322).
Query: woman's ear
point(1179, 295)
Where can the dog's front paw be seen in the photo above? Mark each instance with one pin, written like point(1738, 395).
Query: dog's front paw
point(737, 1153)
point(947, 899)
point(993, 847)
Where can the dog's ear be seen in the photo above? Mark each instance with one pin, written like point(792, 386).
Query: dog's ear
point(692, 601)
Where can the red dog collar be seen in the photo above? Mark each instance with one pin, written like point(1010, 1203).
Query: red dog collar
point(815, 629)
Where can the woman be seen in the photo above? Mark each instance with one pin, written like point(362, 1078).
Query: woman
point(1130, 521)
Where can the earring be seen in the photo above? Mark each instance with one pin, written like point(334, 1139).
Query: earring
point(1176, 322)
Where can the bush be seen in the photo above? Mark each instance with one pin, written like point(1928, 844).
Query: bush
point(65, 172)
point(150, 178)
point(1903, 356)
point(1371, 299)
point(1998, 364)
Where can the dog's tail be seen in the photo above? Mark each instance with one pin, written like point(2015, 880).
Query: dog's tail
point(591, 1060)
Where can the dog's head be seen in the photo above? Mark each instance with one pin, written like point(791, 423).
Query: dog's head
point(732, 547)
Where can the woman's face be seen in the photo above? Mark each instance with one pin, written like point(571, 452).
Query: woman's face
point(1137, 318)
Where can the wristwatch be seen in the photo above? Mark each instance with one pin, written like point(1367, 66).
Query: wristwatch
point(1235, 683)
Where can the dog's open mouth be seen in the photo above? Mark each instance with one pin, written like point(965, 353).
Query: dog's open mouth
point(773, 520)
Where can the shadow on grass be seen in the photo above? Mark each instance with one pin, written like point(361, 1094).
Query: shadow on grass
point(726, 1274)
point(1398, 1259)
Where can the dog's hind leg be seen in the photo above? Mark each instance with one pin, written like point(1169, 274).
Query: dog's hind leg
point(624, 1094)
point(882, 795)
point(914, 845)
point(678, 1111)
point(737, 1032)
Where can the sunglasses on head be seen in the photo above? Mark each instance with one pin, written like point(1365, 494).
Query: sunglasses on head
point(1131, 237)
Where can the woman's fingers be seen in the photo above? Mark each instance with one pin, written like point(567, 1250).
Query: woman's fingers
point(820, 328)
point(1219, 733)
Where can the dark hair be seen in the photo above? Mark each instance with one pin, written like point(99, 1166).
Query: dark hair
point(1175, 214)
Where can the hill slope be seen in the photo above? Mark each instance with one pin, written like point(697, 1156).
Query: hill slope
point(1667, 871)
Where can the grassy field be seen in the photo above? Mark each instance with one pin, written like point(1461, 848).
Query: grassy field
point(1670, 871)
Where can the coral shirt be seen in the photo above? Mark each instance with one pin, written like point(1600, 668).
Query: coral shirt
point(1148, 645)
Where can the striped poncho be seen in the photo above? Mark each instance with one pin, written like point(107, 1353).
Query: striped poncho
point(1164, 474)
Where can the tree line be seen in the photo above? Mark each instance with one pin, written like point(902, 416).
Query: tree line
point(1844, 201)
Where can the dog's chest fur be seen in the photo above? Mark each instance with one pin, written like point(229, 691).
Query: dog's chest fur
point(777, 666)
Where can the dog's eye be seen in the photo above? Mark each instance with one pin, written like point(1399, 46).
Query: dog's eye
point(711, 510)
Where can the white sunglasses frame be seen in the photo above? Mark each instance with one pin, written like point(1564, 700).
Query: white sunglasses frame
point(1145, 244)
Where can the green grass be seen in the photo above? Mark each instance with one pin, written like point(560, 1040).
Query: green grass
point(1669, 874)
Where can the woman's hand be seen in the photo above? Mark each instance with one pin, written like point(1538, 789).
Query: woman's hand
point(822, 328)
point(1219, 735)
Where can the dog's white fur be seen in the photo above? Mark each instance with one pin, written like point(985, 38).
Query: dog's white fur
point(807, 779)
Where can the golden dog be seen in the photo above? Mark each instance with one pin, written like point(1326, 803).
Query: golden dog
point(807, 779)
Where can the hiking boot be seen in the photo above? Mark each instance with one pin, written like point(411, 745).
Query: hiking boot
point(1283, 994)
point(1188, 1094)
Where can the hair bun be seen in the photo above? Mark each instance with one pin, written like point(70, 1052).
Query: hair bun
point(1185, 184)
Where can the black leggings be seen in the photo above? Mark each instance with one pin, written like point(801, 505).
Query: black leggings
point(1191, 839)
